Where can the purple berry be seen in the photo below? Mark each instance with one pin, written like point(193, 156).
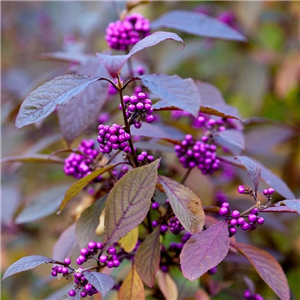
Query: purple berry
point(241, 220)
point(164, 268)
point(241, 189)
point(77, 275)
point(92, 245)
point(67, 261)
point(233, 222)
point(260, 221)
point(155, 205)
point(88, 287)
point(252, 218)
point(54, 273)
point(116, 263)
point(225, 204)
point(82, 258)
point(265, 192)
point(103, 258)
point(110, 264)
point(112, 250)
point(99, 245)
point(254, 211)
point(83, 294)
point(247, 294)
point(232, 230)
point(223, 211)
point(270, 191)
point(245, 226)
point(140, 158)
point(84, 251)
point(235, 213)
point(72, 293)
point(163, 228)
point(154, 223)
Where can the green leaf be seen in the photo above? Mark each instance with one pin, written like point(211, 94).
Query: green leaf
point(129, 201)
point(185, 204)
point(88, 222)
point(80, 184)
point(148, 256)
point(43, 205)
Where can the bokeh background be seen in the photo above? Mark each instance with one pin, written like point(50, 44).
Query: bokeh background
point(260, 78)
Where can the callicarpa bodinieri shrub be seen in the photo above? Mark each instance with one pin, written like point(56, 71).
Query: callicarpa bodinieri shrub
point(153, 224)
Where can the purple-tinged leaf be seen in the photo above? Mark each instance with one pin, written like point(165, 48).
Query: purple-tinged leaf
point(268, 268)
point(65, 244)
point(213, 103)
point(186, 204)
point(88, 222)
point(114, 63)
point(174, 91)
point(285, 206)
point(62, 293)
point(129, 201)
point(43, 205)
point(231, 139)
point(33, 158)
point(84, 109)
point(253, 169)
point(159, 131)
point(148, 256)
point(204, 250)
point(267, 176)
point(42, 102)
point(132, 287)
point(102, 282)
point(80, 184)
point(250, 285)
point(26, 263)
point(197, 24)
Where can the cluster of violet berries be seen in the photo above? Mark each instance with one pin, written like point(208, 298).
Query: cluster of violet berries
point(249, 296)
point(80, 165)
point(145, 158)
point(237, 220)
point(121, 34)
point(56, 270)
point(112, 137)
point(82, 285)
point(175, 225)
point(138, 108)
point(199, 153)
point(110, 259)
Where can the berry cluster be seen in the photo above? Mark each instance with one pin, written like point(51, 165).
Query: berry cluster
point(80, 165)
point(138, 108)
point(144, 158)
point(249, 296)
point(199, 153)
point(110, 259)
point(82, 285)
point(113, 137)
point(121, 34)
point(175, 225)
point(61, 269)
point(178, 246)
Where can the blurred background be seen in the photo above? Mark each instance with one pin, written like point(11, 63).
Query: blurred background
point(260, 78)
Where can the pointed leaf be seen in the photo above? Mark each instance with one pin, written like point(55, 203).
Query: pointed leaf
point(268, 268)
point(26, 263)
point(42, 102)
point(34, 158)
point(132, 287)
point(44, 204)
point(174, 91)
point(198, 24)
point(70, 57)
point(114, 63)
point(204, 250)
point(128, 242)
point(84, 109)
point(185, 204)
point(129, 201)
point(253, 169)
point(88, 222)
point(231, 139)
point(285, 205)
point(65, 244)
point(167, 285)
point(80, 184)
point(148, 256)
point(102, 282)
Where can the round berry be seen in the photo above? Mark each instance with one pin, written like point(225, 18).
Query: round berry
point(241, 220)
point(77, 275)
point(116, 263)
point(232, 230)
point(83, 294)
point(233, 222)
point(163, 228)
point(265, 192)
point(254, 211)
point(225, 204)
point(223, 211)
point(260, 220)
point(241, 189)
point(154, 223)
point(140, 158)
point(92, 245)
point(72, 293)
point(252, 218)
point(164, 268)
point(67, 261)
point(235, 213)
point(110, 264)
point(99, 245)
point(247, 294)
point(149, 118)
point(112, 250)
point(84, 251)
point(245, 226)
point(270, 191)
point(64, 270)
point(103, 258)
point(54, 273)
point(155, 205)
point(88, 287)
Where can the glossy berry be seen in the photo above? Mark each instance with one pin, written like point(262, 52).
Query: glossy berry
point(241, 220)
point(254, 211)
point(245, 226)
point(164, 268)
point(154, 223)
point(92, 245)
point(175, 225)
point(260, 221)
point(121, 34)
point(232, 230)
point(270, 191)
point(67, 261)
point(83, 294)
point(80, 165)
point(235, 214)
point(110, 264)
point(155, 205)
point(88, 287)
point(241, 189)
point(99, 245)
point(72, 293)
point(112, 250)
point(223, 211)
point(103, 258)
point(163, 228)
point(252, 218)
point(247, 294)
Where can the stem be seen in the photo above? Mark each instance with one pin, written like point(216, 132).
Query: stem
point(128, 81)
point(127, 125)
point(186, 176)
